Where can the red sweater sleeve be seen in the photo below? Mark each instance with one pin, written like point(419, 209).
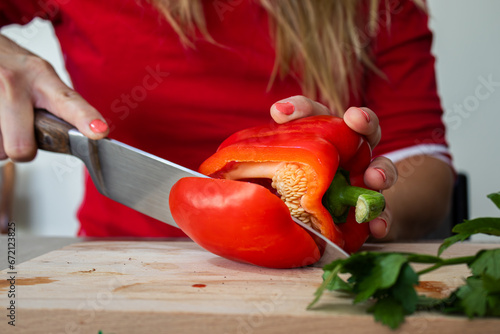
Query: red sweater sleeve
point(405, 98)
point(23, 11)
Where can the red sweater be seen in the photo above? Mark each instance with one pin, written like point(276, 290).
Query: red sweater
point(180, 103)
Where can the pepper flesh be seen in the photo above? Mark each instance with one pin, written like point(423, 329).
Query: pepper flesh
point(317, 158)
point(296, 161)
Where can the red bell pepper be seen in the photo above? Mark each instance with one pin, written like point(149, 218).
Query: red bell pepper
point(305, 162)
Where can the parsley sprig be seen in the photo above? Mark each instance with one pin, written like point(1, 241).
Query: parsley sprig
point(387, 279)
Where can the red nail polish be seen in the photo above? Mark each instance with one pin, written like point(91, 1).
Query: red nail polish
point(367, 116)
point(382, 172)
point(98, 126)
point(286, 108)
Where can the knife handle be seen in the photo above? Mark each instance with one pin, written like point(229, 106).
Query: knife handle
point(51, 132)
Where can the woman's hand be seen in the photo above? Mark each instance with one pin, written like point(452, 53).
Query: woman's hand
point(381, 174)
point(28, 82)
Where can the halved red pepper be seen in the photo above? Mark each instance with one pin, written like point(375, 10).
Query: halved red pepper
point(300, 162)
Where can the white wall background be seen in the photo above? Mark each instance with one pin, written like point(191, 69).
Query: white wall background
point(48, 189)
point(467, 48)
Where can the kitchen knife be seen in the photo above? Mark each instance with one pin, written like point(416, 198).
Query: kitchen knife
point(123, 173)
point(128, 175)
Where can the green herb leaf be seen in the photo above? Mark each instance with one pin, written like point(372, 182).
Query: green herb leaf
point(487, 262)
point(473, 297)
point(495, 198)
point(404, 289)
point(464, 230)
point(330, 275)
point(492, 285)
point(384, 273)
point(389, 281)
point(338, 284)
point(487, 225)
point(389, 312)
point(359, 265)
point(493, 297)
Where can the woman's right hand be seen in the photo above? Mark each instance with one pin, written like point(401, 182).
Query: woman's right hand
point(27, 82)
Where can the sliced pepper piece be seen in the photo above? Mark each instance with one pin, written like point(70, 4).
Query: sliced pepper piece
point(296, 161)
point(241, 221)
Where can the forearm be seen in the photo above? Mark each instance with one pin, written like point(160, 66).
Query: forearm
point(421, 198)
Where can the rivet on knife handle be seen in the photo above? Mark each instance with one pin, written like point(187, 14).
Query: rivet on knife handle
point(51, 132)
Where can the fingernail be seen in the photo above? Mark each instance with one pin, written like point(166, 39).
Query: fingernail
point(382, 172)
point(385, 223)
point(286, 108)
point(367, 115)
point(98, 126)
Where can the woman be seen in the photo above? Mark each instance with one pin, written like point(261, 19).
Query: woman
point(175, 78)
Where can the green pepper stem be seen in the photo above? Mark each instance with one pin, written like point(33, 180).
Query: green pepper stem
point(341, 195)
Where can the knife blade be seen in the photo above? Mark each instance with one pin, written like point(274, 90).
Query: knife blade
point(121, 172)
point(130, 176)
point(331, 251)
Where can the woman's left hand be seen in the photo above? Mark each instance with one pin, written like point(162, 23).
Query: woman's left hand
point(380, 175)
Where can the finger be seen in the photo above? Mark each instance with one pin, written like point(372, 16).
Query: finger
point(381, 174)
point(296, 107)
point(18, 144)
point(16, 117)
point(50, 93)
point(3, 155)
point(380, 226)
point(364, 121)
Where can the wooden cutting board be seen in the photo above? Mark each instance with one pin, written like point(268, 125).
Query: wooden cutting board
point(177, 287)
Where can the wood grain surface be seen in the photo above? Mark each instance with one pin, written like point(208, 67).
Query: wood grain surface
point(177, 287)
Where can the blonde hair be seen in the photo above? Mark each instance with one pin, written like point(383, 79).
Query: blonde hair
point(323, 43)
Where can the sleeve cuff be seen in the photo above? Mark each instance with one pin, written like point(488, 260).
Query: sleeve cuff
point(435, 150)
